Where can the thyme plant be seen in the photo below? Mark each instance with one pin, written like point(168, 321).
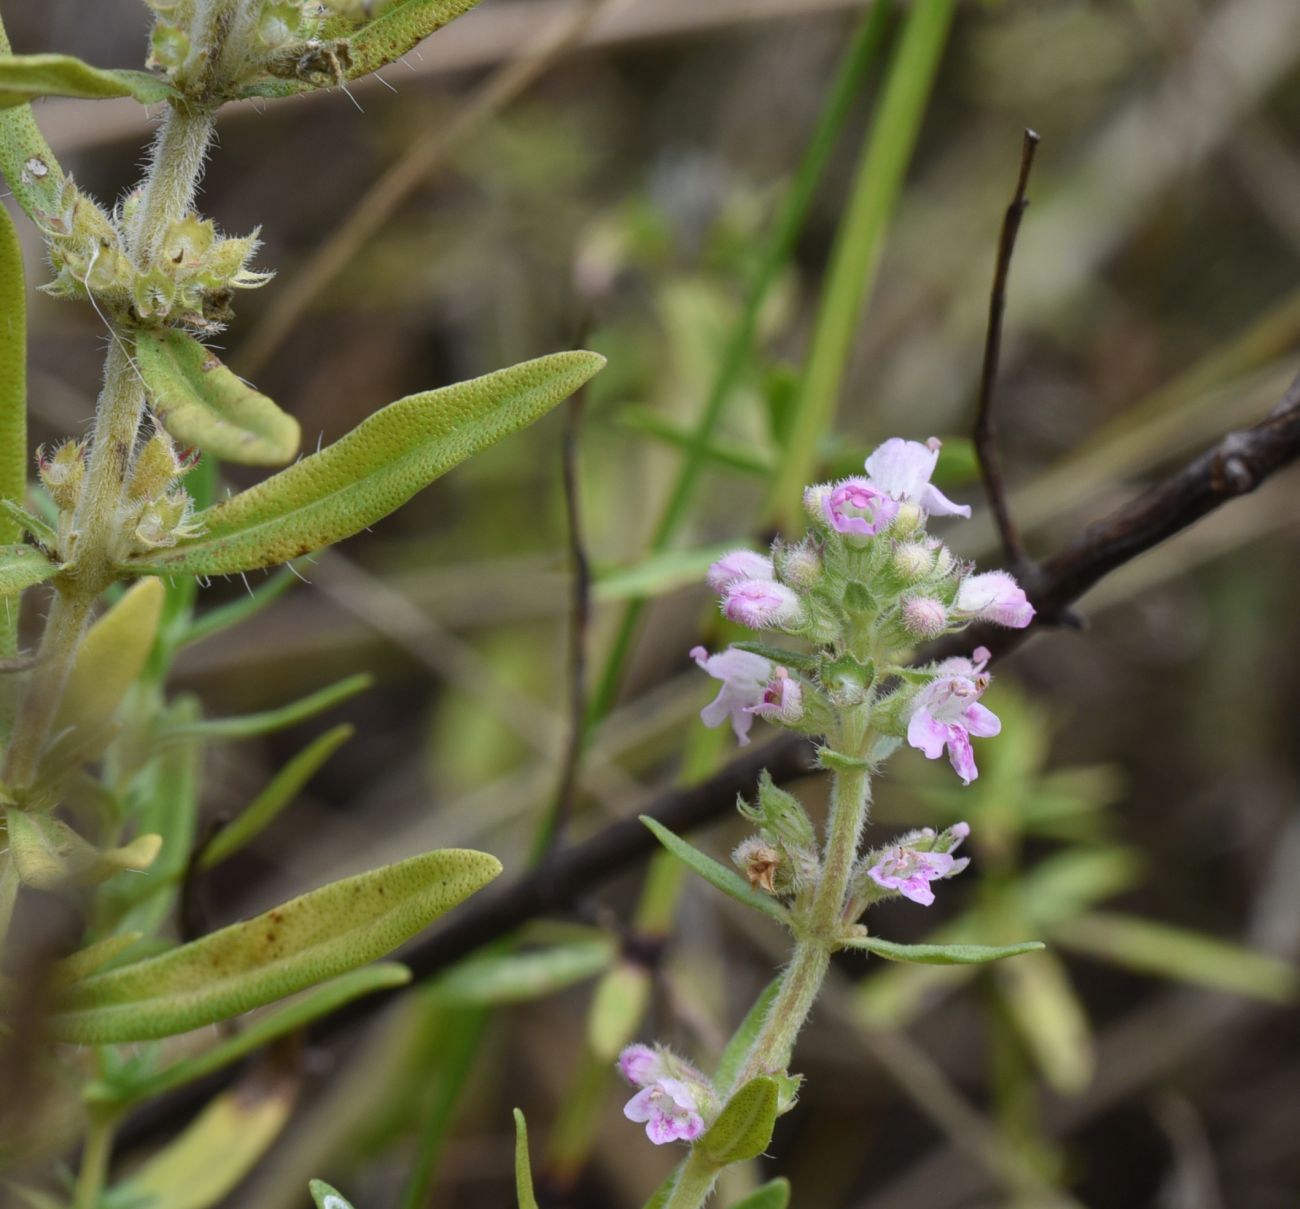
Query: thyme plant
point(100, 767)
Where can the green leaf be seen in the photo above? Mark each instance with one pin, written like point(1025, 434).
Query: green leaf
point(373, 470)
point(518, 977)
point(400, 28)
point(779, 654)
point(1156, 948)
point(523, 1168)
point(618, 1006)
point(23, 78)
point(29, 165)
point(327, 1197)
point(302, 942)
point(202, 403)
point(658, 574)
point(279, 793)
point(49, 854)
point(13, 416)
point(659, 1197)
point(16, 520)
point(744, 1127)
point(249, 726)
point(22, 567)
point(85, 962)
point(741, 1040)
point(279, 1022)
point(217, 1150)
point(775, 1194)
point(717, 875)
point(941, 955)
point(1049, 1016)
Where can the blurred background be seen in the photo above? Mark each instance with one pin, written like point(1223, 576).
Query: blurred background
point(621, 174)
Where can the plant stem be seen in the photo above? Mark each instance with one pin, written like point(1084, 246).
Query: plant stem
point(694, 1184)
point(94, 1163)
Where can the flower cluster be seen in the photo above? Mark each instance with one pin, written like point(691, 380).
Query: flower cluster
point(864, 587)
point(673, 1095)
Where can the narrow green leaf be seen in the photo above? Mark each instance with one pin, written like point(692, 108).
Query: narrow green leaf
point(302, 942)
point(24, 78)
point(744, 1127)
point(523, 1168)
point(217, 1150)
point(1170, 952)
point(727, 455)
point(279, 1022)
point(775, 1194)
point(87, 961)
point(659, 1197)
point(249, 726)
point(373, 470)
point(16, 520)
point(519, 977)
point(279, 793)
point(327, 1197)
point(741, 1040)
point(658, 574)
point(49, 854)
point(618, 1007)
point(33, 173)
point(13, 417)
point(941, 955)
point(717, 875)
point(23, 567)
point(778, 654)
point(202, 403)
point(243, 608)
point(1051, 1020)
point(110, 659)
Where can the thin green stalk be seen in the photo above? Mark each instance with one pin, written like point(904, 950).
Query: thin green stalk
point(95, 1156)
point(13, 405)
point(850, 77)
point(694, 1184)
point(876, 188)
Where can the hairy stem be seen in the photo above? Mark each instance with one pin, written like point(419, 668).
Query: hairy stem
point(694, 1184)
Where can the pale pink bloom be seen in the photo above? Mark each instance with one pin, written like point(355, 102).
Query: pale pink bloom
point(902, 470)
point(782, 699)
point(948, 713)
point(668, 1109)
point(858, 508)
point(995, 596)
point(762, 604)
point(737, 565)
point(744, 679)
point(924, 616)
point(911, 872)
point(640, 1064)
point(959, 665)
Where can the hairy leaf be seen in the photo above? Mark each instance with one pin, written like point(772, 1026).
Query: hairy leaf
point(202, 403)
point(775, 1194)
point(523, 1168)
point(23, 78)
point(373, 470)
point(401, 27)
point(302, 942)
point(941, 955)
point(717, 875)
point(23, 567)
point(744, 1127)
point(33, 173)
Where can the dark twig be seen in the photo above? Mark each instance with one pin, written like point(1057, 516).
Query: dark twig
point(1234, 466)
point(986, 432)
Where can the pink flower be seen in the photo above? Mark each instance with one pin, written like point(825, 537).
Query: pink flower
point(669, 1111)
point(782, 699)
point(859, 508)
point(737, 565)
point(902, 470)
point(640, 1064)
point(762, 604)
point(995, 596)
point(924, 617)
point(948, 713)
point(910, 872)
point(744, 679)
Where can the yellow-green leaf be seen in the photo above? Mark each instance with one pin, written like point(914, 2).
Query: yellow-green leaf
point(22, 567)
point(523, 1167)
point(302, 942)
point(29, 165)
point(744, 1127)
point(23, 78)
point(13, 408)
point(327, 1197)
point(519, 977)
point(401, 27)
point(202, 403)
point(775, 1194)
point(941, 955)
point(49, 854)
point(373, 470)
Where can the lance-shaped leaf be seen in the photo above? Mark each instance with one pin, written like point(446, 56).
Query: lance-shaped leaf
point(401, 27)
point(941, 955)
point(727, 880)
point(523, 1167)
point(49, 854)
point(519, 977)
point(202, 403)
point(327, 1197)
point(217, 1150)
point(23, 567)
point(29, 165)
point(302, 942)
point(109, 662)
point(744, 1127)
point(93, 957)
point(249, 726)
point(775, 1194)
point(13, 415)
point(373, 470)
point(24, 78)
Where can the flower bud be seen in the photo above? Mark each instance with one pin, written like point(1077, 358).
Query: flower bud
point(911, 562)
point(763, 604)
point(156, 465)
point(847, 681)
point(780, 815)
point(910, 518)
point(799, 566)
point(814, 501)
point(737, 565)
point(62, 473)
point(924, 617)
point(759, 861)
point(857, 509)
